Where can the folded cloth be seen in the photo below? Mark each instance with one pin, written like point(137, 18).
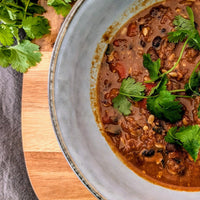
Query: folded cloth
point(14, 182)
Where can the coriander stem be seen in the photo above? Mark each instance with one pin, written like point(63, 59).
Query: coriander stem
point(197, 65)
point(180, 56)
point(25, 10)
point(175, 65)
point(189, 82)
point(182, 96)
point(151, 81)
point(174, 91)
point(133, 96)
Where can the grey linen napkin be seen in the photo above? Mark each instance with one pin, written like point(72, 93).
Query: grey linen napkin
point(14, 182)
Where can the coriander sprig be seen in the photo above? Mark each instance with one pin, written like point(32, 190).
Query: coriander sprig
point(61, 6)
point(18, 17)
point(192, 87)
point(188, 137)
point(161, 102)
point(184, 30)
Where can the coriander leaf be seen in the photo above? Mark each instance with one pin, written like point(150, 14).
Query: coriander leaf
point(36, 27)
point(6, 36)
point(122, 104)
point(15, 32)
point(192, 87)
point(24, 55)
point(160, 86)
point(5, 56)
point(165, 107)
point(131, 88)
point(11, 12)
point(153, 67)
point(61, 7)
point(188, 137)
point(176, 36)
point(35, 8)
point(170, 137)
point(198, 113)
point(185, 28)
point(68, 1)
point(190, 13)
point(182, 24)
point(195, 41)
point(4, 16)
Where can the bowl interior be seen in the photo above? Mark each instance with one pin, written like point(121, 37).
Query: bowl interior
point(69, 96)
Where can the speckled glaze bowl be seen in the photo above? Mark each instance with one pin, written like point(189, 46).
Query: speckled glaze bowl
point(74, 66)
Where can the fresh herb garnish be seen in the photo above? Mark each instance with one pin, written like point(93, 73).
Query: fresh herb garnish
point(17, 17)
point(35, 27)
point(61, 6)
point(160, 86)
point(6, 36)
point(130, 89)
point(165, 107)
point(185, 28)
point(188, 137)
point(192, 87)
point(198, 113)
point(122, 104)
point(161, 102)
point(153, 67)
point(19, 23)
point(20, 56)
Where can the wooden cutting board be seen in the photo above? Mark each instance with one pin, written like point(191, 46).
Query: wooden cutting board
point(48, 170)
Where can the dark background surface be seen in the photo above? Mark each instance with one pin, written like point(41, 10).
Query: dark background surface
point(14, 181)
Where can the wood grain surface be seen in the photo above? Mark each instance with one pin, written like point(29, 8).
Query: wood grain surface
point(48, 170)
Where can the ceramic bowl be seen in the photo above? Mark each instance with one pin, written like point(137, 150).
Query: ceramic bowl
point(74, 66)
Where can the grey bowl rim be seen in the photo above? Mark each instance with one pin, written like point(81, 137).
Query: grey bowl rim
point(51, 100)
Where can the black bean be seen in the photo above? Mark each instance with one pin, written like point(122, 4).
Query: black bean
point(22, 34)
point(158, 129)
point(177, 160)
point(109, 49)
point(196, 25)
point(156, 41)
point(130, 46)
point(141, 26)
point(163, 30)
point(142, 43)
point(154, 12)
point(148, 153)
point(163, 163)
